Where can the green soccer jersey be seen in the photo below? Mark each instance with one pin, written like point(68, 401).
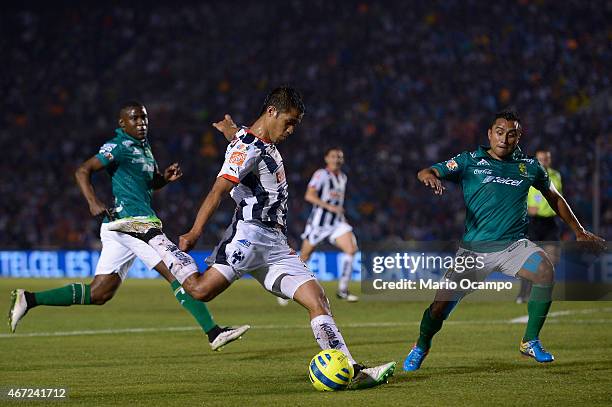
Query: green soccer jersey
point(131, 165)
point(495, 194)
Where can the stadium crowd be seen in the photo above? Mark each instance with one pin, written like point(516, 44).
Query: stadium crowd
point(397, 85)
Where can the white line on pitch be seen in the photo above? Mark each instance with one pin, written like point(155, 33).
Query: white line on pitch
point(355, 325)
point(523, 319)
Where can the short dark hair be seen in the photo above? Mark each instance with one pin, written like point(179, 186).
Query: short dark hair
point(542, 149)
point(330, 149)
point(509, 115)
point(130, 104)
point(284, 98)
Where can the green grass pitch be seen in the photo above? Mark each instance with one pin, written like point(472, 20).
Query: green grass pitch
point(141, 348)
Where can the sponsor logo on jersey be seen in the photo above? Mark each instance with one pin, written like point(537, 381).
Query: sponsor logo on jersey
point(523, 169)
point(244, 242)
point(106, 148)
point(502, 180)
point(108, 156)
point(237, 257)
point(237, 158)
point(482, 162)
point(136, 151)
point(485, 171)
point(127, 143)
point(452, 165)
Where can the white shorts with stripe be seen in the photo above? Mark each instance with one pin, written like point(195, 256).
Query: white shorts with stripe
point(263, 252)
point(119, 252)
point(316, 234)
point(508, 261)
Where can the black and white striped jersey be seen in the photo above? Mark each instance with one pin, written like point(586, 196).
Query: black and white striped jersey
point(331, 189)
point(256, 166)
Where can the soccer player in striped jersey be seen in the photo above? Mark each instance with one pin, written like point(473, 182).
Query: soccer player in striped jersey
point(253, 174)
point(326, 192)
point(128, 159)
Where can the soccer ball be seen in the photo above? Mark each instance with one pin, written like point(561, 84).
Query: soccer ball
point(330, 370)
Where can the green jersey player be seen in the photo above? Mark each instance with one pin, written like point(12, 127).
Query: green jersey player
point(495, 182)
point(128, 159)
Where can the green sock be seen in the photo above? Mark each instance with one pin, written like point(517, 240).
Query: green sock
point(75, 293)
point(429, 327)
point(198, 309)
point(537, 308)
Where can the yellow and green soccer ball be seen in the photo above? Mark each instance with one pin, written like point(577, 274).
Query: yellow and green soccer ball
point(330, 370)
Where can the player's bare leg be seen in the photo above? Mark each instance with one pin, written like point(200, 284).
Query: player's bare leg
point(305, 253)
point(539, 270)
point(306, 250)
point(348, 244)
point(312, 297)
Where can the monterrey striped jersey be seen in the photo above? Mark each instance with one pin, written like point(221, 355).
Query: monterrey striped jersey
point(257, 167)
point(331, 189)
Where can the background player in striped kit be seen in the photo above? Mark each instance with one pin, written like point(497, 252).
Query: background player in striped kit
point(326, 192)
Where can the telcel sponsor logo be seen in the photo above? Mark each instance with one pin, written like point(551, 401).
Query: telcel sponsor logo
point(485, 171)
point(501, 180)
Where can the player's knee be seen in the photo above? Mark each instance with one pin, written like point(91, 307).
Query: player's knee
point(201, 293)
point(546, 272)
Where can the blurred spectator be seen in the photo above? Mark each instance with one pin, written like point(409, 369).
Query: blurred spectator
point(398, 85)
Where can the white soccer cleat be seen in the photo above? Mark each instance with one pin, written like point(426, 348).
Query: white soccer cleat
point(229, 334)
point(136, 224)
point(19, 307)
point(346, 296)
point(282, 302)
point(372, 376)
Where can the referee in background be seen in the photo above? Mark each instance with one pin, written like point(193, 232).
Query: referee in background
point(542, 223)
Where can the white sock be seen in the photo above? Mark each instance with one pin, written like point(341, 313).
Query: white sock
point(180, 264)
point(328, 336)
point(346, 270)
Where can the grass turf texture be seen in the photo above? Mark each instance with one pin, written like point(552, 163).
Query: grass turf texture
point(474, 360)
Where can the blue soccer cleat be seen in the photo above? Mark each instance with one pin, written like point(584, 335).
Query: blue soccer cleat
point(414, 359)
point(534, 349)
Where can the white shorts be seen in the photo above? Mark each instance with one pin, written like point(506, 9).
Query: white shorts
point(316, 234)
point(119, 252)
point(250, 247)
point(508, 261)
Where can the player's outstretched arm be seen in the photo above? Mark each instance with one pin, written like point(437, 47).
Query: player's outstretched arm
point(430, 177)
point(83, 180)
point(312, 197)
point(227, 127)
point(560, 205)
point(210, 204)
point(172, 173)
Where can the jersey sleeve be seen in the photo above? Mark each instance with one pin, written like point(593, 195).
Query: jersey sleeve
point(240, 159)
point(452, 169)
point(541, 181)
point(110, 152)
point(318, 179)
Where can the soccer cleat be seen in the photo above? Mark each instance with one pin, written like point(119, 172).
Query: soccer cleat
point(282, 302)
point(227, 335)
point(347, 296)
point(414, 359)
point(366, 377)
point(19, 307)
point(534, 349)
point(136, 224)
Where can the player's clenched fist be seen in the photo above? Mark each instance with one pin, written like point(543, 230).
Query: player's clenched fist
point(187, 241)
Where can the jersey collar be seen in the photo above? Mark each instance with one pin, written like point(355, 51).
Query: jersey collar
point(516, 155)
